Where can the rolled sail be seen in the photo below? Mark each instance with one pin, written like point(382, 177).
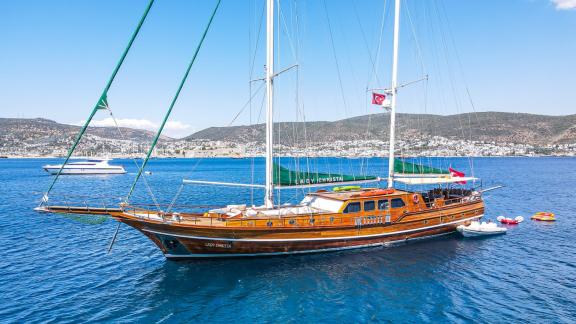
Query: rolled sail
point(418, 174)
point(284, 177)
point(404, 167)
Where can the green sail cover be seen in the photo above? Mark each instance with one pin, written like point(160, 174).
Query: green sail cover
point(413, 168)
point(285, 177)
point(103, 102)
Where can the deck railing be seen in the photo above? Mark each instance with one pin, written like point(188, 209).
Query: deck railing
point(310, 220)
point(107, 205)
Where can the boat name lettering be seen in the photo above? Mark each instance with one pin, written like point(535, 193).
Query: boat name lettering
point(218, 245)
point(320, 180)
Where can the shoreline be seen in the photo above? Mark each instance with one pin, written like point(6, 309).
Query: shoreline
point(15, 157)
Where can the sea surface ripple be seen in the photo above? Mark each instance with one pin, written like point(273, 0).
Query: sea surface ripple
point(56, 269)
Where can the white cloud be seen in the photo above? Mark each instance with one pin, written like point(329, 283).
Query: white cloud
point(132, 123)
point(176, 126)
point(172, 128)
point(564, 4)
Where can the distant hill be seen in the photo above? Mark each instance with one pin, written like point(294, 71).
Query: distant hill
point(42, 137)
point(45, 136)
point(497, 127)
point(48, 129)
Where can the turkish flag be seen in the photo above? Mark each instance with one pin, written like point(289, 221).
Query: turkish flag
point(378, 99)
point(456, 174)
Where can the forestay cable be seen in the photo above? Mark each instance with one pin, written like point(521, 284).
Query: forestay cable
point(173, 102)
point(102, 101)
point(133, 160)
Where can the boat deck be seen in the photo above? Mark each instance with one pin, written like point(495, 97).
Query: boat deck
point(355, 194)
point(332, 214)
point(312, 220)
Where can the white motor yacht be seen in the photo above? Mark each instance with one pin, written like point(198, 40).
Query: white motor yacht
point(93, 166)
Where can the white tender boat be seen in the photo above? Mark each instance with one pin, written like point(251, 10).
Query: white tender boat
point(476, 229)
point(93, 166)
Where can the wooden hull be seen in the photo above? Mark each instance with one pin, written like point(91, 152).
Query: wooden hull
point(179, 241)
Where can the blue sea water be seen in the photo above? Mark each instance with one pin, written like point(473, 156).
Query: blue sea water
point(54, 269)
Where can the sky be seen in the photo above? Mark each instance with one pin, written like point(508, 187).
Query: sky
point(489, 55)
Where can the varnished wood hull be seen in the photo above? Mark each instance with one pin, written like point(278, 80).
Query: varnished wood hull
point(186, 242)
point(216, 248)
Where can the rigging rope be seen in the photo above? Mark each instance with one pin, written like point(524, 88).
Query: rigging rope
point(159, 132)
point(335, 58)
point(134, 160)
point(102, 100)
point(373, 61)
point(464, 79)
point(452, 74)
point(373, 73)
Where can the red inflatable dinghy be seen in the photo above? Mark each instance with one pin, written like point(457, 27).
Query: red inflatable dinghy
point(510, 221)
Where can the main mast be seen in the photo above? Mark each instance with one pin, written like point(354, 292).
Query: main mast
point(394, 94)
point(269, 197)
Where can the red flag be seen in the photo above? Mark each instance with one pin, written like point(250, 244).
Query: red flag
point(457, 174)
point(378, 98)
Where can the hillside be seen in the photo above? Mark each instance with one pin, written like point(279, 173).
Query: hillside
point(487, 133)
point(496, 127)
point(46, 136)
point(45, 128)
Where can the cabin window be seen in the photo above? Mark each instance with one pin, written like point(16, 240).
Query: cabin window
point(369, 205)
point(397, 203)
point(383, 204)
point(353, 207)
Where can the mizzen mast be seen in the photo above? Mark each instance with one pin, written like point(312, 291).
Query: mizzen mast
point(394, 91)
point(269, 197)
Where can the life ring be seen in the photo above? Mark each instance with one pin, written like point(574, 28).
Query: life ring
point(415, 199)
point(376, 192)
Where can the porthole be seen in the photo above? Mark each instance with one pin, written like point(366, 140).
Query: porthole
point(292, 222)
point(170, 244)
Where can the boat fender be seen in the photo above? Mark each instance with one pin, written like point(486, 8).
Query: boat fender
point(415, 199)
